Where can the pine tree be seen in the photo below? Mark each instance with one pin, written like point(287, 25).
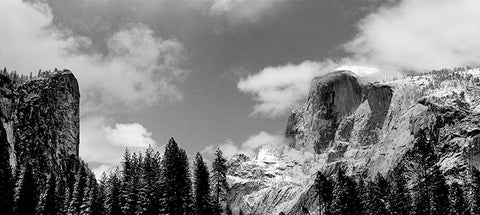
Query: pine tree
point(374, 202)
point(26, 193)
point(424, 154)
point(324, 189)
point(439, 197)
point(48, 200)
point(129, 199)
point(457, 200)
point(99, 197)
point(421, 202)
point(202, 187)
point(219, 181)
point(113, 194)
point(176, 184)
point(475, 191)
point(90, 194)
point(383, 188)
point(399, 198)
point(150, 193)
point(6, 178)
point(345, 196)
point(79, 188)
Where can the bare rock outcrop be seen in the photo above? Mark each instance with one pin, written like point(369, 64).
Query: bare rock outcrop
point(367, 128)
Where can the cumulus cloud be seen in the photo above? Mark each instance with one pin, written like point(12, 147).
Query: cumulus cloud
point(140, 68)
point(420, 35)
point(278, 89)
point(409, 36)
point(238, 11)
point(104, 144)
point(249, 147)
point(129, 135)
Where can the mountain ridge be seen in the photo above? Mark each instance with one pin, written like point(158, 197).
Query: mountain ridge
point(366, 128)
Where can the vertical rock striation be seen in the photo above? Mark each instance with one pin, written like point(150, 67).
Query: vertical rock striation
point(365, 128)
point(40, 121)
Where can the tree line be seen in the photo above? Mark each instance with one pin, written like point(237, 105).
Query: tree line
point(426, 193)
point(146, 184)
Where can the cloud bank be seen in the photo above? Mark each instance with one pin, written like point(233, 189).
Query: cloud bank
point(409, 36)
point(278, 89)
point(249, 147)
point(139, 70)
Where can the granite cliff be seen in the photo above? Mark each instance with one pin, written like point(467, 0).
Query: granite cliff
point(40, 124)
point(365, 128)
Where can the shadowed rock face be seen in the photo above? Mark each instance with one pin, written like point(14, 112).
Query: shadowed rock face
point(332, 98)
point(40, 120)
point(366, 128)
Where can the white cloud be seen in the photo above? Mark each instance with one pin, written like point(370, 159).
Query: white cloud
point(129, 135)
point(104, 144)
point(410, 36)
point(139, 69)
point(278, 89)
point(238, 11)
point(249, 147)
point(420, 35)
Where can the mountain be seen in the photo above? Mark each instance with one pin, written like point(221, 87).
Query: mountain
point(365, 128)
point(40, 124)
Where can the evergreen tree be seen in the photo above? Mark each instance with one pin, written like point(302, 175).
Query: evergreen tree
point(399, 197)
point(457, 200)
point(176, 184)
point(439, 197)
point(26, 193)
point(99, 197)
point(48, 204)
point(421, 202)
point(6, 178)
point(202, 187)
point(424, 154)
point(150, 193)
point(81, 182)
point(374, 203)
point(89, 197)
point(128, 188)
point(113, 194)
point(219, 181)
point(475, 191)
point(324, 189)
point(383, 188)
point(345, 196)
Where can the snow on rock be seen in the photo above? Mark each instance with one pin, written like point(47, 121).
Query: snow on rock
point(365, 128)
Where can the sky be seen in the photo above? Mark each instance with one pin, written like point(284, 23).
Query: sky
point(221, 73)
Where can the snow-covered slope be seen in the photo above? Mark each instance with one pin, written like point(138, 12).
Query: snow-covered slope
point(365, 128)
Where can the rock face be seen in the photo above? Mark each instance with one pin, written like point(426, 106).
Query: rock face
point(365, 128)
point(40, 121)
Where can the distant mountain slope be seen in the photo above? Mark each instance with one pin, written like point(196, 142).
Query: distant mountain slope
point(365, 128)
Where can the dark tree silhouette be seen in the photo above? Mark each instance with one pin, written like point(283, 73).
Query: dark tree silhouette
point(175, 183)
point(201, 187)
point(6, 178)
point(399, 197)
point(219, 181)
point(324, 189)
point(457, 200)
